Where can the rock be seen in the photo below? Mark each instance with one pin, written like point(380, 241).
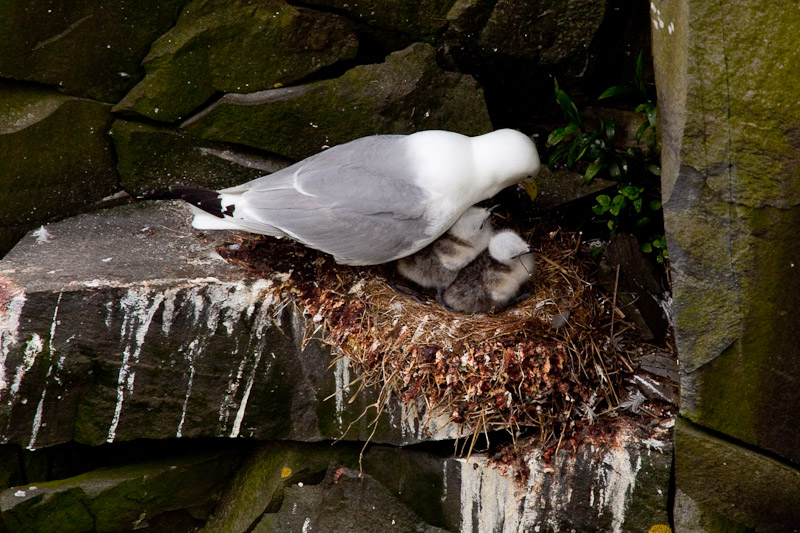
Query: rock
point(420, 21)
point(559, 187)
point(115, 499)
point(732, 209)
point(621, 485)
point(84, 48)
point(56, 157)
point(343, 501)
point(150, 159)
point(547, 33)
point(148, 333)
point(748, 489)
point(203, 54)
point(638, 290)
point(408, 92)
point(260, 485)
point(292, 486)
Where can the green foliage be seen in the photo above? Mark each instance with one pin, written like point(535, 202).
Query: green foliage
point(636, 206)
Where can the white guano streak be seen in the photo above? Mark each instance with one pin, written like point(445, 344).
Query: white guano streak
point(37, 417)
point(139, 310)
point(9, 332)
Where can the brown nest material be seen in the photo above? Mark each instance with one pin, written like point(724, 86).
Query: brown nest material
point(554, 362)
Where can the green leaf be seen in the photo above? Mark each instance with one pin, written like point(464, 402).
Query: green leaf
point(617, 206)
point(603, 200)
point(560, 134)
point(617, 90)
point(614, 171)
point(592, 170)
point(637, 74)
point(641, 131)
point(567, 105)
point(655, 205)
point(599, 210)
point(588, 144)
point(557, 155)
point(646, 248)
point(637, 204)
point(610, 129)
point(654, 169)
point(610, 225)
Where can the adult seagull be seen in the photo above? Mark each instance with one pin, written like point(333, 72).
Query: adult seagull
point(374, 199)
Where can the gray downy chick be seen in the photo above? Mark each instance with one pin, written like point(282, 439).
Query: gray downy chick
point(494, 279)
point(436, 266)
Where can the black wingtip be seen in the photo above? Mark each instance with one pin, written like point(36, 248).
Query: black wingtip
point(205, 199)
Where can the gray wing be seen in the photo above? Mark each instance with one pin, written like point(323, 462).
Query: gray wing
point(355, 201)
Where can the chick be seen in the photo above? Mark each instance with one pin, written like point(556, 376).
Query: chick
point(436, 266)
point(493, 280)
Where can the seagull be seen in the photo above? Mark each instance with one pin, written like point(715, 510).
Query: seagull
point(436, 266)
point(494, 278)
point(375, 199)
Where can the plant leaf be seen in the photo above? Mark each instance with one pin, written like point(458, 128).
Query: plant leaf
point(654, 169)
point(614, 171)
point(610, 129)
point(560, 134)
point(593, 169)
point(646, 248)
point(567, 105)
point(641, 131)
point(637, 204)
point(617, 90)
point(603, 200)
point(655, 205)
point(557, 155)
point(637, 74)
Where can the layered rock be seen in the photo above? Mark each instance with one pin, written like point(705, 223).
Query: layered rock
point(408, 92)
point(57, 158)
point(223, 46)
point(148, 333)
point(120, 498)
point(151, 158)
point(84, 48)
point(617, 486)
point(732, 206)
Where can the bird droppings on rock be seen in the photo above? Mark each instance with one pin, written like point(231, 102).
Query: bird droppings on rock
point(513, 371)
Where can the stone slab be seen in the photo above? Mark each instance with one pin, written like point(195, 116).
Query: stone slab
point(127, 324)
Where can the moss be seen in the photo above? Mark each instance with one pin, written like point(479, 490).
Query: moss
point(56, 156)
point(741, 485)
point(112, 499)
point(202, 55)
point(259, 484)
point(408, 92)
point(84, 50)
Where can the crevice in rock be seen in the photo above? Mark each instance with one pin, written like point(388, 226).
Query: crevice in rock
point(727, 439)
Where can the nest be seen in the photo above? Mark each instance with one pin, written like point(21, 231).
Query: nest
point(554, 362)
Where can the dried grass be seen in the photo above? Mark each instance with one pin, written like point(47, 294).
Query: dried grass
point(508, 371)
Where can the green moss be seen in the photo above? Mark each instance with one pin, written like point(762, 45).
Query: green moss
point(56, 155)
point(740, 485)
point(84, 50)
point(259, 484)
point(408, 92)
point(202, 54)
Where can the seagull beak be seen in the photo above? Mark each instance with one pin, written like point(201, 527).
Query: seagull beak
point(530, 187)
